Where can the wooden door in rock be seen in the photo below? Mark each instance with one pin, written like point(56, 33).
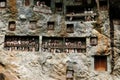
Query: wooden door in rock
point(100, 63)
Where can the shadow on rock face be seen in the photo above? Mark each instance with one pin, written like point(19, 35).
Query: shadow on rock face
point(2, 76)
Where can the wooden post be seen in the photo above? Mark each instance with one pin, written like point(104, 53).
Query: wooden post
point(111, 37)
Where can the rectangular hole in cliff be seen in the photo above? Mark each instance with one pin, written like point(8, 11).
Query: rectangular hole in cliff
point(75, 45)
point(52, 44)
point(103, 4)
point(78, 1)
point(21, 43)
point(12, 25)
point(70, 28)
point(50, 25)
point(93, 41)
point(89, 4)
point(69, 73)
point(114, 9)
point(74, 18)
point(75, 13)
point(42, 2)
point(76, 9)
point(100, 63)
point(27, 2)
point(64, 44)
point(3, 3)
point(33, 24)
point(58, 6)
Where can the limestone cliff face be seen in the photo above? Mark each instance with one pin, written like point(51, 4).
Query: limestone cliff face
point(23, 65)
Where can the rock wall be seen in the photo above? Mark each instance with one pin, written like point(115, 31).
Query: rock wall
point(23, 65)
